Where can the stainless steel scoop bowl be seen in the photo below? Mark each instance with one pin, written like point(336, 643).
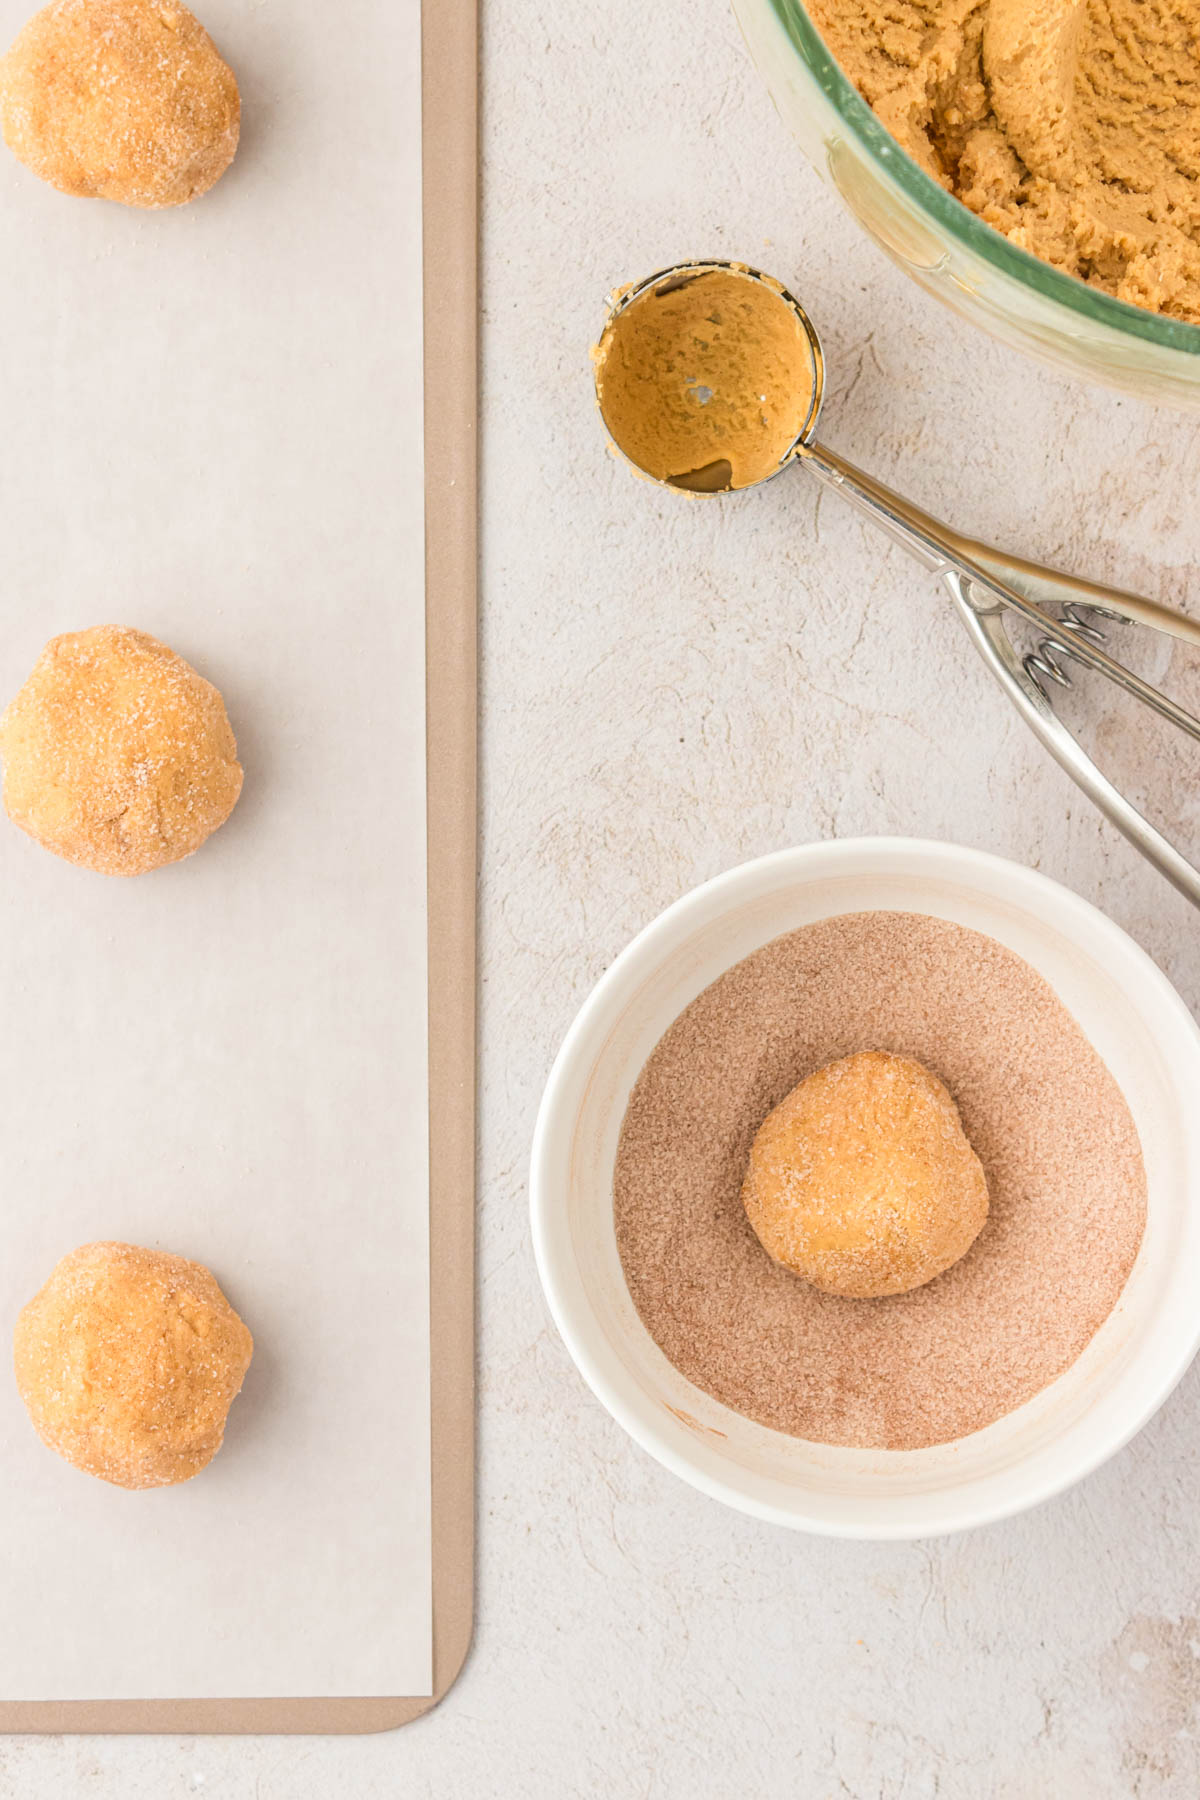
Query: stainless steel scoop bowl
point(985, 584)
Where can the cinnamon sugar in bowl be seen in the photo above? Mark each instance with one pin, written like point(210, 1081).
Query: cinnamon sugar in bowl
point(981, 1394)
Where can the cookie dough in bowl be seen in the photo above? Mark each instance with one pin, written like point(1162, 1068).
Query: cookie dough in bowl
point(128, 1361)
point(117, 754)
point(125, 100)
point(1071, 126)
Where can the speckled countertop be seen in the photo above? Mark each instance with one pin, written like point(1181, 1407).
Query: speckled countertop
point(669, 688)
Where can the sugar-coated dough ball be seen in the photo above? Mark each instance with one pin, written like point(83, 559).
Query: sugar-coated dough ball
point(128, 1361)
point(862, 1179)
point(117, 755)
point(124, 99)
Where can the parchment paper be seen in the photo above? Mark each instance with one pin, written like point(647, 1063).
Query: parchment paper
point(212, 431)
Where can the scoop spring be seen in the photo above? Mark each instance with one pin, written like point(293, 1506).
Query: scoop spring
point(1045, 663)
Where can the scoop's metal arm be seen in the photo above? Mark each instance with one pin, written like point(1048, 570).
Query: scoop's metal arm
point(943, 549)
point(984, 620)
point(1051, 587)
point(985, 583)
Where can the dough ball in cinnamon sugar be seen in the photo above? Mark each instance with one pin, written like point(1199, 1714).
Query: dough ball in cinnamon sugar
point(117, 754)
point(128, 1361)
point(127, 100)
point(862, 1180)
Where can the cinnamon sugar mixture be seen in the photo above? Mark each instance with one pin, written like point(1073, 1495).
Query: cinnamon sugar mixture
point(1047, 1120)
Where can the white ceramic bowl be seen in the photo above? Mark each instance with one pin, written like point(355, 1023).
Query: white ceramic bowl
point(1128, 1010)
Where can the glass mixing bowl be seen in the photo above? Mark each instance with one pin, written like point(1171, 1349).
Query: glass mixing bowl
point(943, 245)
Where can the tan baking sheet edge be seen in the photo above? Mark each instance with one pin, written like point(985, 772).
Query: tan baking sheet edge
point(449, 102)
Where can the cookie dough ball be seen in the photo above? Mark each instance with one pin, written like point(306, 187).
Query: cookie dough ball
point(117, 755)
point(128, 1361)
point(125, 99)
point(862, 1180)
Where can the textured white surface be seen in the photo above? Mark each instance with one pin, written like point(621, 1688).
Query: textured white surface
point(667, 689)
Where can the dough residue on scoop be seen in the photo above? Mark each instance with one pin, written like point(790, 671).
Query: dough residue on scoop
point(1072, 126)
point(705, 380)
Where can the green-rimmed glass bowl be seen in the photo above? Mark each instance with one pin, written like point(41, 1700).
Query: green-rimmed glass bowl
point(944, 246)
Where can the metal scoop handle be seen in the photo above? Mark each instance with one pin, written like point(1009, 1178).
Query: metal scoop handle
point(984, 620)
point(984, 583)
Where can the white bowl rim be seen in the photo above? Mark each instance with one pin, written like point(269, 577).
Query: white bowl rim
point(810, 859)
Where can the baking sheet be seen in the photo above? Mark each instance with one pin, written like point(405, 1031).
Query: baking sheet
point(213, 432)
